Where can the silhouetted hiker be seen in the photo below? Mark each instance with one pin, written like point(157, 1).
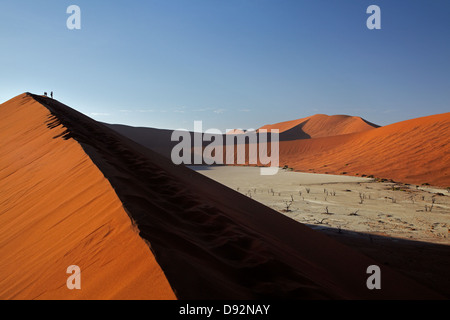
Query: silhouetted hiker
point(51, 94)
point(45, 93)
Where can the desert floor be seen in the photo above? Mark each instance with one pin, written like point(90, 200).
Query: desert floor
point(346, 203)
point(405, 226)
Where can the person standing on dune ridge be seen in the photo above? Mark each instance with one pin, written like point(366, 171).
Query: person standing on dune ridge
point(51, 94)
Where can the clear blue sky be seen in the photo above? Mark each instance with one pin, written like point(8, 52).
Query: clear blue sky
point(230, 63)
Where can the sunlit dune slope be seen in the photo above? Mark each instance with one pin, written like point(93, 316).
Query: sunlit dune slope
point(57, 210)
point(416, 151)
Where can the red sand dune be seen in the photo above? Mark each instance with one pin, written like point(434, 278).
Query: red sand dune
point(211, 242)
point(415, 151)
point(320, 125)
point(56, 210)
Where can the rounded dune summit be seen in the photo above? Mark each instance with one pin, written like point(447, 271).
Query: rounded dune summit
point(320, 125)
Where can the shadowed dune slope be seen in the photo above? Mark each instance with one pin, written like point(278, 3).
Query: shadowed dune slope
point(57, 210)
point(158, 140)
point(415, 151)
point(213, 242)
point(320, 125)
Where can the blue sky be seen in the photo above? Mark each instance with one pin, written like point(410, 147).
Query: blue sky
point(230, 63)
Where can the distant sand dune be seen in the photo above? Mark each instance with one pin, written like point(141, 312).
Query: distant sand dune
point(415, 151)
point(320, 125)
point(210, 241)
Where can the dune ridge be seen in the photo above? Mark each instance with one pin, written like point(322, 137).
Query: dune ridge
point(415, 151)
point(56, 210)
point(212, 242)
